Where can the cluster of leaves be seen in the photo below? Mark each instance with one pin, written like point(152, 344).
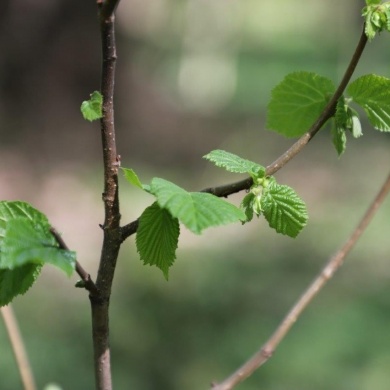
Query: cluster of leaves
point(26, 244)
point(299, 99)
point(377, 17)
point(158, 230)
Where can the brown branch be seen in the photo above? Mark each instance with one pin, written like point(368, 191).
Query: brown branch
point(18, 348)
point(297, 147)
point(111, 230)
point(319, 282)
point(88, 283)
point(108, 7)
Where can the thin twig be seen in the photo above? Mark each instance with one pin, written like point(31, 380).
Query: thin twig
point(18, 348)
point(84, 275)
point(319, 282)
point(297, 147)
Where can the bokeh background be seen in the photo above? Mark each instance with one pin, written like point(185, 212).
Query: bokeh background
point(193, 76)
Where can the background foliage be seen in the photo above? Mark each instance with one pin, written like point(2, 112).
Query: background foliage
point(194, 76)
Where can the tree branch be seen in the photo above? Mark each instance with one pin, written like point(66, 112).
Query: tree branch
point(111, 230)
point(319, 282)
point(327, 113)
point(84, 275)
point(108, 7)
point(18, 348)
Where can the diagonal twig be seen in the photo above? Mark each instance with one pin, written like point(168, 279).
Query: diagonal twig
point(266, 351)
point(18, 347)
point(84, 275)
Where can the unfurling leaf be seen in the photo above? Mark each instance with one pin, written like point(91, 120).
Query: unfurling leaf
point(356, 127)
point(339, 139)
point(247, 206)
point(297, 102)
point(92, 109)
point(157, 237)
point(284, 210)
point(376, 17)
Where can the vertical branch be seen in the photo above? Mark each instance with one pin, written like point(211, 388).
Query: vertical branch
point(18, 348)
point(111, 231)
point(110, 161)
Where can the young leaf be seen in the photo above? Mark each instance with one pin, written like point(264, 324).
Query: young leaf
point(234, 163)
point(373, 94)
point(356, 127)
point(196, 210)
point(369, 28)
point(25, 243)
point(92, 108)
point(388, 17)
point(17, 281)
point(342, 122)
point(297, 102)
point(341, 116)
point(373, 2)
point(132, 178)
point(339, 139)
point(247, 206)
point(157, 237)
point(283, 209)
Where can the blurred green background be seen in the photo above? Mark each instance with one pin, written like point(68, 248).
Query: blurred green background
point(194, 75)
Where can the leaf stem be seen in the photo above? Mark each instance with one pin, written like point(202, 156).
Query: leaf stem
point(266, 351)
point(18, 348)
point(84, 275)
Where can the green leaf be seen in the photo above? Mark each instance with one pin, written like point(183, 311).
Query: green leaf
point(132, 178)
point(284, 210)
point(373, 2)
point(234, 163)
point(17, 281)
point(373, 94)
point(92, 108)
point(11, 210)
point(388, 18)
point(341, 123)
point(157, 237)
point(196, 210)
point(369, 28)
point(247, 206)
point(339, 139)
point(25, 242)
point(356, 127)
point(341, 116)
point(297, 102)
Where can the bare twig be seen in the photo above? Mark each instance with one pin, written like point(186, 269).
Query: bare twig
point(18, 348)
point(319, 282)
point(84, 275)
point(327, 113)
